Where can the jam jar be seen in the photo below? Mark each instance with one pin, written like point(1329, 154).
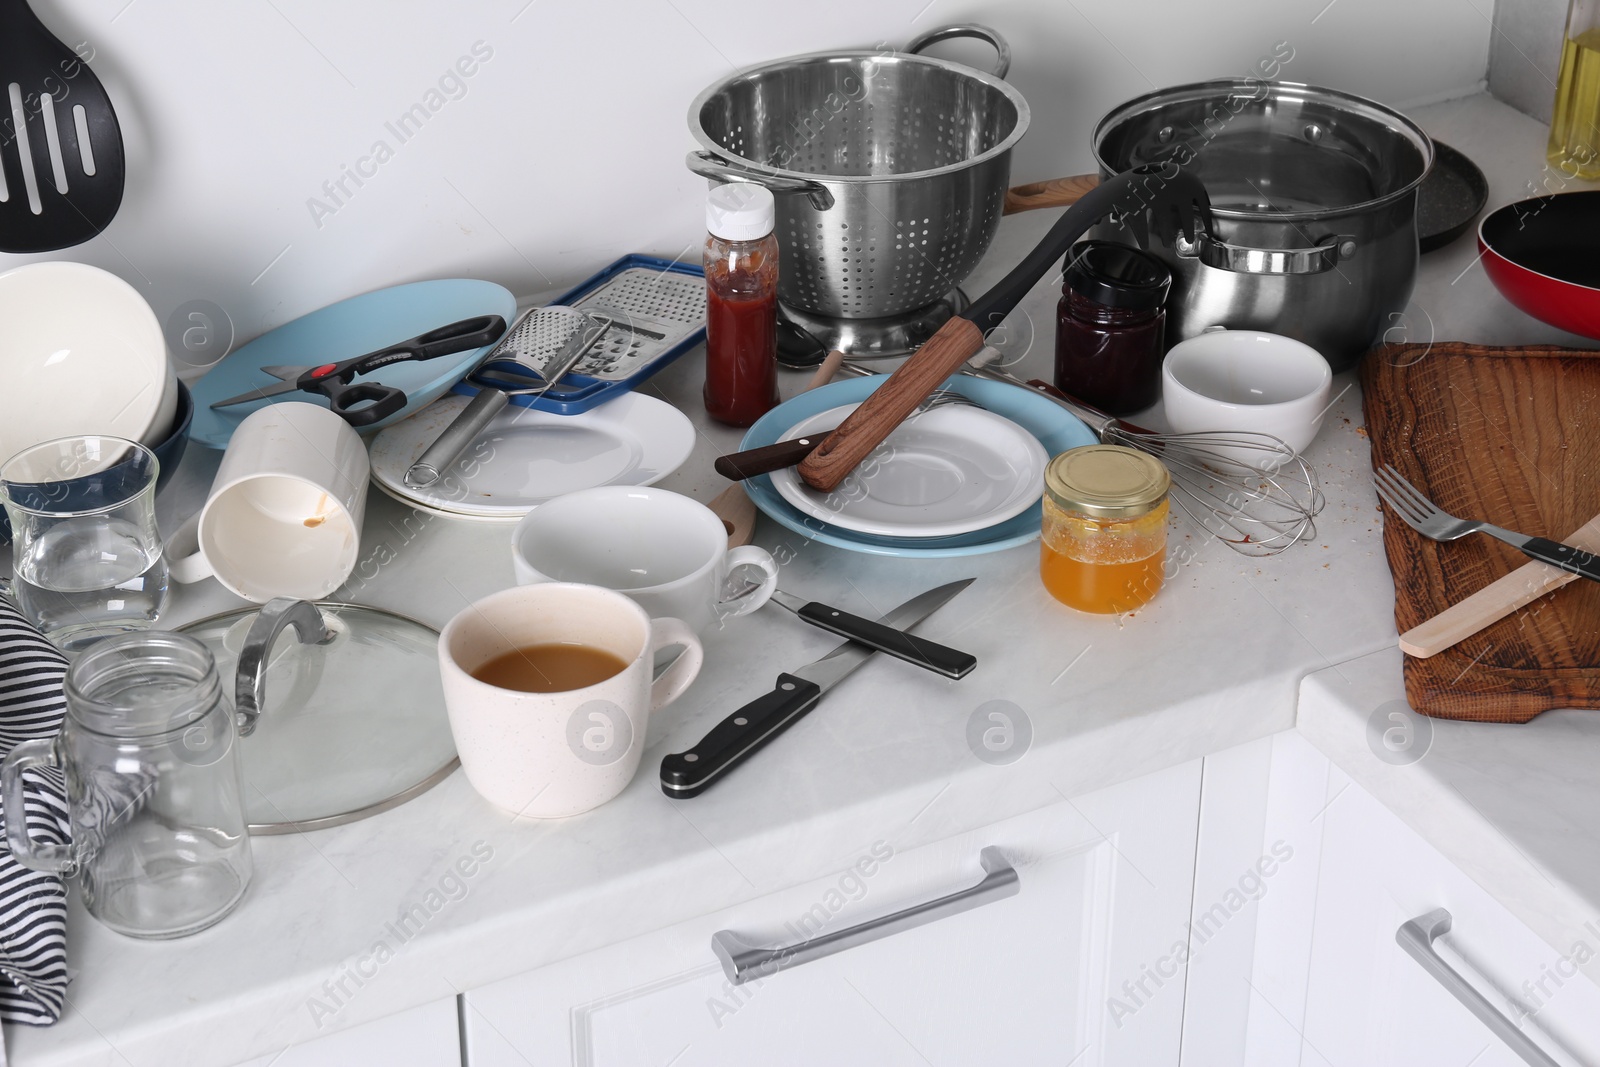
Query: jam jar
point(1104, 542)
point(1111, 326)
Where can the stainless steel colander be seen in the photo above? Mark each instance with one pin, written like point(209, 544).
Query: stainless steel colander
point(891, 168)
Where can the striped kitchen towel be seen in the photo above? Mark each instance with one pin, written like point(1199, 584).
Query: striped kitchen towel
point(33, 905)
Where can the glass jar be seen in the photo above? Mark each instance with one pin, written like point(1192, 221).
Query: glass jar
point(151, 761)
point(1104, 541)
point(1111, 326)
point(741, 263)
point(1574, 147)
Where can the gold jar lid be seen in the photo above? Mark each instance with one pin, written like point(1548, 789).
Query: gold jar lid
point(1107, 481)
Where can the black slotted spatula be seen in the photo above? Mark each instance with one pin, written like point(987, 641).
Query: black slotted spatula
point(60, 144)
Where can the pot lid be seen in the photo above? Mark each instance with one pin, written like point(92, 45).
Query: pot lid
point(351, 716)
point(1271, 151)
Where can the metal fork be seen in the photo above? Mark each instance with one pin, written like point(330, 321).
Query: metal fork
point(1429, 520)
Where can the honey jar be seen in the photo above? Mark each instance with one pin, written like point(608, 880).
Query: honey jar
point(1104, 543)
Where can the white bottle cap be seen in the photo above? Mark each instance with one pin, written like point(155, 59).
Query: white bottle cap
point(740, 211)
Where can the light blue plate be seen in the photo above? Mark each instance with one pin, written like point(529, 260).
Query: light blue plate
point(1056, 429)
point(345, 330)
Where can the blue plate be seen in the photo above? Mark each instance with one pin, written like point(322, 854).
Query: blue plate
point(1056, 429)
point(347, 329)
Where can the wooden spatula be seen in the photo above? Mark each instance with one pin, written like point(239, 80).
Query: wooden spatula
point(60, 144)
point(1496, 600)
point(1168, 199)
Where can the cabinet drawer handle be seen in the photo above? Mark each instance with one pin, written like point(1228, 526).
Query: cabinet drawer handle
point(1416, 937)
point(742, 961)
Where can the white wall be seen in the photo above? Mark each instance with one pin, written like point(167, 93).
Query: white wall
point(564, 147)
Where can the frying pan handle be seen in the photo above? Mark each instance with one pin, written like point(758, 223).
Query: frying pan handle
point(1174, 198)
point(1057, 192)
point(720, 170)
point(1002, 64)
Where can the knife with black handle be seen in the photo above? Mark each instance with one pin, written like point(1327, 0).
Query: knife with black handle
point(745, 732)
point(929, 655)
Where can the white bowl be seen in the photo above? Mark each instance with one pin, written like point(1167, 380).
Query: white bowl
point(80, 353)
point(1240, 380)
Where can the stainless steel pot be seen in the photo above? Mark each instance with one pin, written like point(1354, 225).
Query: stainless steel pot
point(891, 168)
point(1314, 200)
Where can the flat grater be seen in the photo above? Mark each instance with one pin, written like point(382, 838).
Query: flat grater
point(658, 312)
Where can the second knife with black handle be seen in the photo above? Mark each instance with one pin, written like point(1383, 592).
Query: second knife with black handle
point(929, 655)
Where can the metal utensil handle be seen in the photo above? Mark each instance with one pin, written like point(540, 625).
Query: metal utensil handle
point(249, 686)
point(742, 961)
point(1002, 64)
point(720, 170)
point(447, 448)
point(1416, 937)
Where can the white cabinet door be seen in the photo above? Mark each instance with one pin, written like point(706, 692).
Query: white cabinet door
point(1369, 1004)
point(1078, 967)
point(422, 1037)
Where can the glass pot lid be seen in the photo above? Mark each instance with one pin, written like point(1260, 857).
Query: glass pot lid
point(340, 707)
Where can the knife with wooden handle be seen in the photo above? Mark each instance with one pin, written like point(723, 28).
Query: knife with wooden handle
point(1496, 600)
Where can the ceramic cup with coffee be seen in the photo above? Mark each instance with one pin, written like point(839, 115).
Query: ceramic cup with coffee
point(549, 692)
point(666, 551)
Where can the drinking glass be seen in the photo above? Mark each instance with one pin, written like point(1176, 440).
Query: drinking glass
point(151, 759)
point(86, 554)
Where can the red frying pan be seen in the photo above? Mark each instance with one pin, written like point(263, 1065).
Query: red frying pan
point(1543, 256)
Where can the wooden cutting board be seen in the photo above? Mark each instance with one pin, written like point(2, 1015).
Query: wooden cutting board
point(1510, 436)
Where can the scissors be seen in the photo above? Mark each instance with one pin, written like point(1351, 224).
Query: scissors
point(364, 403)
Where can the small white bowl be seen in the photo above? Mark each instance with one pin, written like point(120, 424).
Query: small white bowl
point(1241, 380)
point(80, 353)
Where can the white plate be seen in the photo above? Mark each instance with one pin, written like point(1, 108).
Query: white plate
point(81, 353)
point(526, 457)
point(949, 470)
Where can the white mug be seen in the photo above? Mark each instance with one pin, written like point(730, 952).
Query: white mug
point(667, 552)
point(550, 755)
point(283, 517)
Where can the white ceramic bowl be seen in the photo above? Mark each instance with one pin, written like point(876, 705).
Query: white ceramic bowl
point(1233, 380)
point(80, 353)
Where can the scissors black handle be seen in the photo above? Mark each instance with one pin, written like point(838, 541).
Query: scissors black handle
point(365, 403)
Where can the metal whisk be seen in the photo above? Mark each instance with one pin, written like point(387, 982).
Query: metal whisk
point(1256, 508)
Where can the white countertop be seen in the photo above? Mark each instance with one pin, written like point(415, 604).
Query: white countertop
point(1215, 661)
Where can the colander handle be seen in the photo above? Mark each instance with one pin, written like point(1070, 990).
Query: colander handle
point(1002, 64)
point(709, 166)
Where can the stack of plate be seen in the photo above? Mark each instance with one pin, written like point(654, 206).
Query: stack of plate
point(953, 481)
point(526, 456)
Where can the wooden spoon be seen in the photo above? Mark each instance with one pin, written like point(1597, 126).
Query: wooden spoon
point(733, 505)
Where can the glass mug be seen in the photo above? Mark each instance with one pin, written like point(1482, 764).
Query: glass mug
point(86, 554)
point(150, 755)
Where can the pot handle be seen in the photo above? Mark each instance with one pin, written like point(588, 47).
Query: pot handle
point(1002, 64)
point(1241, 259)
point(719, 170)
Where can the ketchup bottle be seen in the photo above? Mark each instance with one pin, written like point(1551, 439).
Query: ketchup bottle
point(741, 261)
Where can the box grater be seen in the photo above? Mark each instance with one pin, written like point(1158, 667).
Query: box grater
point(657, 310)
